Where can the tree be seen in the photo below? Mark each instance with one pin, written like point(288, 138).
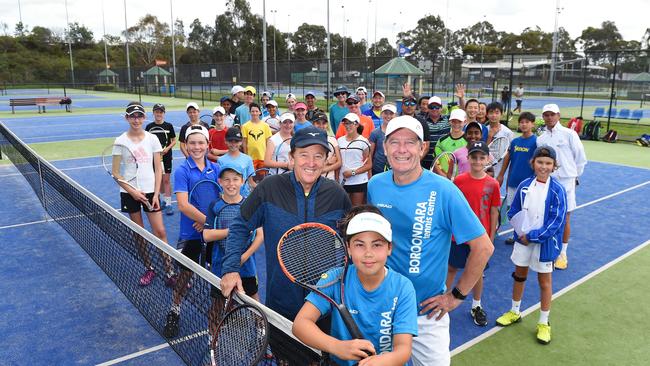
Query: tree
point(383, 48)
point(428, 37)
point(147, 38)
point(606, 38)
point(21, 29)
point(310, 42)
point(79, 35)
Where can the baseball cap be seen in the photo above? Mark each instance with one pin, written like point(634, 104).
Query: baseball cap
point(435, 100)
point(273, 103)
point(192, 105)
point(290, 96)
point(234, 134)
point(250, 89)
point(286, 116)
point(300, 105)
point(389, 107)
point(370, 221)
point(409, 98)
point(352, 117)
point(363, 89)
point(378, 92)
point(197, 129)
point(551, 108)
point(319, 116)
point(545, 150)
point(407, 122)
point(218, 109)
point(458, 114)
point(312, 93)
point(353, 99)
point(236, 89)
point(475, 125)
point(341, 89)
point(134, 108)
point(478, 146)
point(225, 99)
point(158, 107)
point(267, 94)
point(308, 136)
point(230, 166)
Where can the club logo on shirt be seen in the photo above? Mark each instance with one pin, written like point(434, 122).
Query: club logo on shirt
point(421, 230)
point(384, 205)
point(256, 136)
point(386, 328)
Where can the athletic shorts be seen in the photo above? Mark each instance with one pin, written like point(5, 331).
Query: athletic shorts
point(458, 254)
point(191, 249)
point(356, 188)
point(129, 204)
point(167, 163)
point(569, 185)
point(528, 256)
point(431, 346)
point(249, 283)
point(518, 101)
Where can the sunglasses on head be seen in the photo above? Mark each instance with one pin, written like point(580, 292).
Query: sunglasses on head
point(136, 115)
point(351, 103)
point(409, 104)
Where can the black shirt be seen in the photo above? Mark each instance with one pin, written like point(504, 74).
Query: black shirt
point(181, 136)
point(164, 131)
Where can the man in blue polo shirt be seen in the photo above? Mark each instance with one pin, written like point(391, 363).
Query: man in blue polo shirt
point(420, 205)
point(193, 201)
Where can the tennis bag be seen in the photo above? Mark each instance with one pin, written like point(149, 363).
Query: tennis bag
point(611, 136)
point(595, 133)
point(587, 130)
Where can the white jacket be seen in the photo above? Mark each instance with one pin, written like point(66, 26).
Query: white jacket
point(570, 152)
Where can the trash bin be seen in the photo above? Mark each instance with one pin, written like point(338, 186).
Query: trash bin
point(163, 89)
point(172, 89)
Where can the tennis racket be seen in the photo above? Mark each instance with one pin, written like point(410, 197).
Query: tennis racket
point(314, 256)
point(201, 195)
point(281, 154)
point(207, 119)
point(224, 218)
point(498, 149)
point(162, 135)
point(242, 336)
point(447, 163)
point(120, 163)
point(258, 174)
point(352, 156)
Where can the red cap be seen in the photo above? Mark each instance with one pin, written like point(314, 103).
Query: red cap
point(300, 105)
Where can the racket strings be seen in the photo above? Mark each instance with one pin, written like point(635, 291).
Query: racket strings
point(242, 337)
point(224, 219)
point(308, 254)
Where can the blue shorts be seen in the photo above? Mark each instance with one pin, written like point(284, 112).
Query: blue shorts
point(458, 254)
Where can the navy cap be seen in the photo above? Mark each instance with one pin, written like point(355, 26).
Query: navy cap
point(234, 133)
point(308, 136)
point(134, 108)
point(545, 151)
point(319, 116)
point(158, 107)
point(478, 146)
point(341, 89)
point(225, 99)
point(353, 99)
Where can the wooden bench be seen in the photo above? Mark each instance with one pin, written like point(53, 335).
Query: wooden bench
point(40, 103)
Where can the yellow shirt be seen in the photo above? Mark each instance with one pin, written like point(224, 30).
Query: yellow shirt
point(256, 135)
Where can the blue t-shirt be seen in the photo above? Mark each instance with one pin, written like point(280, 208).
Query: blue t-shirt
point(248, 269)
point(380, 314)
point(365, 107)
point(185, 177)
point(299, 126)
point(484, 131)
point(377, 136)
point(521, 152)
point(244, 163)
point(376, 118)
point(243, 114)
point(423, 214)
point(336, 115)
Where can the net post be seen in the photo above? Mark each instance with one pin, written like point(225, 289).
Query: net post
point(40, 177)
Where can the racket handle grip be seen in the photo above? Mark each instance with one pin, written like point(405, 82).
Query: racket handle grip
point(351, 324)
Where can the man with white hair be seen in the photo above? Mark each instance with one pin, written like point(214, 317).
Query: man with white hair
point(571, 159)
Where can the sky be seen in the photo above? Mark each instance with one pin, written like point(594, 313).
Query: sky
point(389, 16)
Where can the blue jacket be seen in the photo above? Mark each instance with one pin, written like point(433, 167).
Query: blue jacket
point(376, 120)
point(550, 234)
point(277, 204)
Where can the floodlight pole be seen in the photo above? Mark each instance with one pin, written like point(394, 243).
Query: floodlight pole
point(126, 37)
point(105, 46)
point(264, 43)
point(275, 59)
point(343, 46)
point(20, 13)
point(480, 88)
point(67, 20)
point(171, 11)
point(329, 61)
point(554, 48)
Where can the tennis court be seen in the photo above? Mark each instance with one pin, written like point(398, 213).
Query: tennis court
point(63, 309)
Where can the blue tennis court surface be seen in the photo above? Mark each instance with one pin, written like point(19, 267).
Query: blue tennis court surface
point(61, 309)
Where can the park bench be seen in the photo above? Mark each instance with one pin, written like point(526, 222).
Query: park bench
point(40, 103)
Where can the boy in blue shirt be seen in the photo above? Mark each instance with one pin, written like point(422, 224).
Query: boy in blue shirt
point(381, 301)
point(235, 157)
point(518, 158)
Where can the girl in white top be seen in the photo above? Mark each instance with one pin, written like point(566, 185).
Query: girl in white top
point(333, 162)
point(146, 150)
point(276, 157)
point(356, 162)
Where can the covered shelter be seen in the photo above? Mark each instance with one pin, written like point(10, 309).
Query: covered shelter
point(157, 78)
point(397, 68)
point(107, 76)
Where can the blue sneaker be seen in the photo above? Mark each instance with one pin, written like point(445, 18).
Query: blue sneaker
point(163, 204)
point(169, 210)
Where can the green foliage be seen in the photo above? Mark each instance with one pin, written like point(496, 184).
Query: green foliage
point(104, 87)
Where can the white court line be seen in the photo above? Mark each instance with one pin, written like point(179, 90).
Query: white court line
point(23, 224)
point(76, 167)
point(563, 291)
point(595, 201)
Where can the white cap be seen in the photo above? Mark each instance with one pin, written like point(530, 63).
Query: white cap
point(436, 100)
point(236, 89)
point(286, 116)
point(219, 109)
point(370, 221)
point(363, 89)
point(551, 108)
point(405, 122)
point(458, 114)
point(389, 107)
point(272, 102)
point(290, 95)
point(352, 117)
point(197, 129)
point(378, 92)
point(192, 105)
point(267, 93)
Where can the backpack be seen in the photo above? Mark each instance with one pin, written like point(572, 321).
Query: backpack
point(595, 133)
point(611, 136)
point(587, 130)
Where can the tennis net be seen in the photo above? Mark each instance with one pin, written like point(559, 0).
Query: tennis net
point(124, 250)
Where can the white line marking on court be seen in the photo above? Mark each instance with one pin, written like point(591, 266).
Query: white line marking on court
point(76, 167)
point(23, 224)
point(595, 201)
point(563, 291)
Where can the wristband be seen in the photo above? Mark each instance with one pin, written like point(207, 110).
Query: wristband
point(455, 292)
